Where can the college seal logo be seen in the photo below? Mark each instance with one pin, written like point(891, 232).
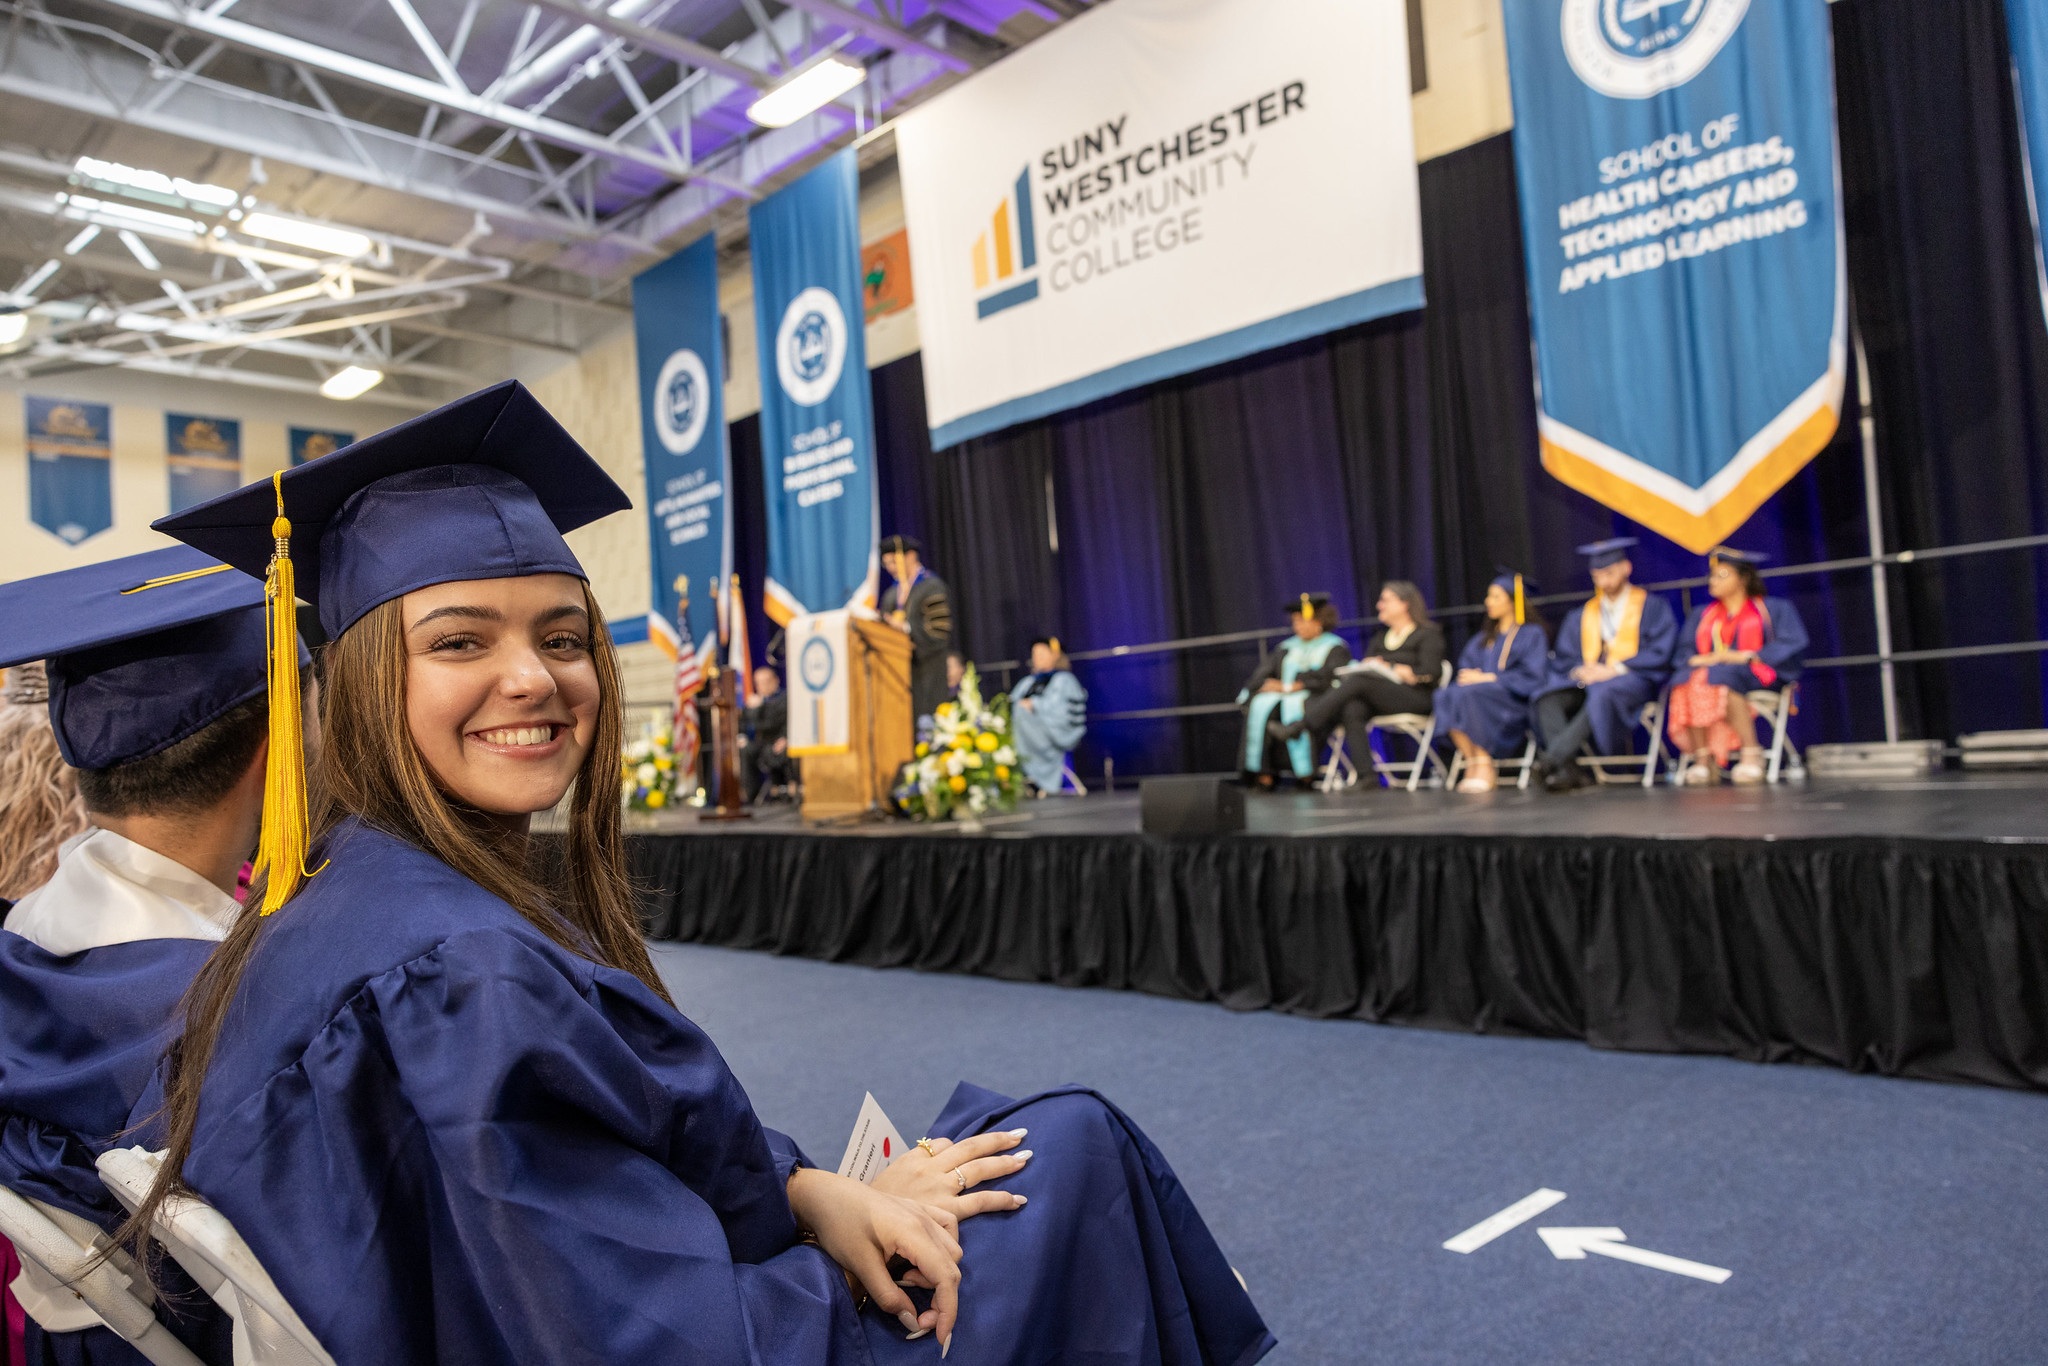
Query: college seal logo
point(681, 402)
point(1632, 49)
point(810, 347)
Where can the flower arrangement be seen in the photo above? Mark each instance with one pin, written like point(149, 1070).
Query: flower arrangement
point(647, 769)
point(965, 764)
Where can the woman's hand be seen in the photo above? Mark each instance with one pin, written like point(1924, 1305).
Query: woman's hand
point(861, 1228)
point(1476, 676)
point(1405, 674)
point(1701, 661)
point(1272, 685)
point(928, 1177)
point(1030, 705)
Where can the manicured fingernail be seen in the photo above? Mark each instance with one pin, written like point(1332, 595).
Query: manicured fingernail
point(918, 1334)
point(1024, 1156)
point(908, 1320)
point(1022, 1199)
point(945, 1347)
point(1018, 1133)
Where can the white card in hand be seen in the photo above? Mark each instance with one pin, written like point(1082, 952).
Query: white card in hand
point(874, 1144)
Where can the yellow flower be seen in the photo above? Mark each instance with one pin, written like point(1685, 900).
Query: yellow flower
point(945, 709)
point(923, 749)
point(1002, 773)
point(986, 742)
point(657, 798)
point(957, 783)
point(662, 761)
point(961, 742)
point(974, 761)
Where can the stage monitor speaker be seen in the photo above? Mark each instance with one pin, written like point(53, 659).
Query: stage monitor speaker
point(1199, 804)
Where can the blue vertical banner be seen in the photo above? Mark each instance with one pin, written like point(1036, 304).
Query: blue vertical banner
point(682, 434)
point(817, 413)
point(204, 455)
point(310, 443)
point(1681, 214)
point(70, 467)
point(2026, 25)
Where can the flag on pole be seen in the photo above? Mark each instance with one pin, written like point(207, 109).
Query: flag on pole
point(739, 655)
point(689, 682)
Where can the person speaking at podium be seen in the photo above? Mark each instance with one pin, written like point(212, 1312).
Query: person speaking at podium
point(438, 1085)
point(916, 603)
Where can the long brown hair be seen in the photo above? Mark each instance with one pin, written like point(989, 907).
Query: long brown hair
point(39, 803)
point(585, 904)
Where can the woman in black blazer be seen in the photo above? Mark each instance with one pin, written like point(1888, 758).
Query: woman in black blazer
point(1402, 668)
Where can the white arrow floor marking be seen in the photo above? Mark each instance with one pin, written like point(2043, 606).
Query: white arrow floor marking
point(1493, 1225)
point(1572, 1244)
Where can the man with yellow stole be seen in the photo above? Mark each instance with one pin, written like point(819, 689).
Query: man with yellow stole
point(1611, 655)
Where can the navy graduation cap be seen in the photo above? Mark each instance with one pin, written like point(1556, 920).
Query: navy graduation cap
point(1600, 554)
point(1734, 556)
point(480, 489)
point(141, 652)
point(1515, 585)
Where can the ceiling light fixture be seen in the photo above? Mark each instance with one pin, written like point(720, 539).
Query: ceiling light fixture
point(808, 88)
point(78, 243)
point(138, 250)
point(352, 382)
point(142, 220)
point(312, 236)
point(153, 182)
point(13, 327)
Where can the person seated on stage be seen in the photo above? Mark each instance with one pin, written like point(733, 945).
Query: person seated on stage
point(764, 757)
point(956, 673)
point(441, 1089)
point(917, 604)
point(1048, 715)
point(39, 804)
point(1485, 710)
point(1742, 640)
point(1301, 668)
point(1611, 656)
point(157, 666)
point(1402, 667)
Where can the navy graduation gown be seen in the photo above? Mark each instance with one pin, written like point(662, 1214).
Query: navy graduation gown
point(1784, 648)
point(1495, 716)
point(1617, 703)
point(450, 1140)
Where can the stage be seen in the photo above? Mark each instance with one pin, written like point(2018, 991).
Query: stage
point(1890, 926)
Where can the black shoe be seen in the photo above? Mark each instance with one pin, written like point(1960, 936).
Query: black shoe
point(1561, 777)
point(1285, 730)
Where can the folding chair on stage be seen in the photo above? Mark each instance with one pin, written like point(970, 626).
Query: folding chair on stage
point(1417, 726)
point(1774, 707)
point(1070, 781)
point(1525, 762)
point(1652, 719)
point(60, 1245)
point(268, 1332)
point(1339, 773)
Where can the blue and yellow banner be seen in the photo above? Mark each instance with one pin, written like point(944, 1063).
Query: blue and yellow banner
point(70, 467)
point(310, 443)
point(682, 432)
point(2026, 24)
point(817, 414)
point(1681, 215)
point(205, 456)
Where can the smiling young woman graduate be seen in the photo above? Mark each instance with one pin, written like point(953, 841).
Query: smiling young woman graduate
point(448, 1101)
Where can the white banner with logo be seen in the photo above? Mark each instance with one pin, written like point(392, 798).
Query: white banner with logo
point(819, 702)
point(1155, 187)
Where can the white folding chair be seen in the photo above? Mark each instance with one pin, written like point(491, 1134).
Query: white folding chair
point(1651, 718)
point(62, 1246)
point(1070, 781)
point(1417, 726)
point(1339, 773)
point(1775, 708)
point(268, 1331)
point(1524, 762)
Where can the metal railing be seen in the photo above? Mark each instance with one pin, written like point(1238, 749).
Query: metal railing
point(1883, 658)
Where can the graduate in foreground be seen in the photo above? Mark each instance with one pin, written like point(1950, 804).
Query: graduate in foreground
point(445, 1097)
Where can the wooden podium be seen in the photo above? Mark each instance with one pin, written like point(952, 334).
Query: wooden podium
point(882, 730)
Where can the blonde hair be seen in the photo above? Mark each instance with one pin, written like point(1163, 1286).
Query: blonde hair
point(39, 803)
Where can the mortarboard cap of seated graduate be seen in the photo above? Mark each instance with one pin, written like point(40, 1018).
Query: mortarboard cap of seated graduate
point(1307, 604)
point(1516, 585)
point(482, 488)
point(1600, 554)
point(141, 652)
point(1731, 554)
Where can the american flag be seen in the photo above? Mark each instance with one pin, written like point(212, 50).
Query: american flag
point(689, 682)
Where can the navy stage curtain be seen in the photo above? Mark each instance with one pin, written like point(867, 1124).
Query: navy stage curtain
point(1406, 448)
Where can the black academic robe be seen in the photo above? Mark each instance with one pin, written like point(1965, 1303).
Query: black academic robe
point(929, 615)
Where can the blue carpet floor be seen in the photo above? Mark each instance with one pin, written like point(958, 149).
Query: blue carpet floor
point(1865, 1220)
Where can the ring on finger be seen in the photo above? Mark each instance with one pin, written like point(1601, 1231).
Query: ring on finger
point(960, 1177)
point(929, 1150)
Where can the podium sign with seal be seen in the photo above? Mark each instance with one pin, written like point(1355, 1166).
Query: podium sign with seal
point(849, 710)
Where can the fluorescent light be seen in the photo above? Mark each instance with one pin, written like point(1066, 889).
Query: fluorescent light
point(352, 382)
point(809, 88)
point(78, 243)
point(141, 322)
point(138, 250)
point(143, 220)
point(33, 282)
point(155, 182)
point(13, 327)
point(312, 236)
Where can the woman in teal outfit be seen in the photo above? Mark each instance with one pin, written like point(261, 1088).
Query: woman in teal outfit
point(1280, 688)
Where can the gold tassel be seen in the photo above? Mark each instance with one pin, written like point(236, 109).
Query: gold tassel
point(1306, 610)
point(282, 848)
point(1519, 620)
point(177, 578)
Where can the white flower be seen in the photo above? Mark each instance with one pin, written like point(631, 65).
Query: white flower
point(977, 800)
point(1006, 756)
point(956, 764)
point(646, 773)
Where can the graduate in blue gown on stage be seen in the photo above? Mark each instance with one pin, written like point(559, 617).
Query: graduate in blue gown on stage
point(1485, 709)
point(157, 669)
point(441, 1090)
point(1610, 657)
point(1280, 689)
point(1048, 715)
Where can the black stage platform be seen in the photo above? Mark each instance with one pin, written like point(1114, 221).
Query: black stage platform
point(1887, 926)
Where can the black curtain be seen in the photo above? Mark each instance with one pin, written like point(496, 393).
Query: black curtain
point(1406, 448)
